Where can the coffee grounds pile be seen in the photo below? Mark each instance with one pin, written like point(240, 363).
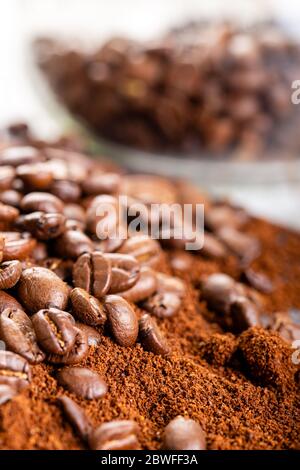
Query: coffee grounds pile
point(241, 388)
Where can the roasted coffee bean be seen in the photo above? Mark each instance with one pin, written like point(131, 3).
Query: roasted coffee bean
point(220, 291)
point(223, 216)
point(83, 382)
point(149, 189)
point(72, 244)
point(16, 330)
point(151, 337)
point(144, 249)
point(182, 262)
point(287, 329)
point(6, 393)
point(8, 213)
point(100, 216)
point(257, 280)
point(14, 371)
point(243, 245)
point(125, 272)
point(163, 304)
point(75, 212)
point(7, 175)
point(93, 337)
point(18, 248)
point(16, 156)
point(7, 301)
point(55, 330)
point(43, 226)
point(104, 183)
point(109, 245)
point(212, 248)
point(40, 288)
point(87, 308)
point(72, 224)
point(76, 417)
point(93, 273)
point(143, 288)
point(184, 434)
point(10, 272)
point(244, 314)
point(39, 201)
point(10, 197)
point(115, 435)
point(67, 191)
point(170, 284)
point(122, 320)
point(77, 353)
point(35, 176)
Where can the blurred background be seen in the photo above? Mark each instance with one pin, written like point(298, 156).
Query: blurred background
point(269, 189)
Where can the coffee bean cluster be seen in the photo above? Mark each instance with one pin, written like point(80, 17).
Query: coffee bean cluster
point(216, 89)
point(62, 288)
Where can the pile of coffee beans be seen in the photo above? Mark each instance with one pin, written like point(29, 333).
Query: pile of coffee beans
point(203, 89)
point(65, 286)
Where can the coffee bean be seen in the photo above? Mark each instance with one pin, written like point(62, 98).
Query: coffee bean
point(103, 214)
point(43, 226)
point(287, 329)
point(149, 189)
point(76, 416)
point(7, 175)
point(10, 197)
point(104, 183)
point(144, 287)
point(184, 434)
point(258, 280)
point(93, 337)
point(122, 320)
point(14, 371)
point(18, 248)
point(244, 314)
point(87, 308)
point(10, 272)
point(125, 271)
point(72, 244)
point(219, 291)
point(217, 217)
point(93, 273)
point(170, 284)
point(151, 337)
point(144, 249)
point(55, 330)
point(35, 176)
point(83, 382)
point(39, 201)
point(6, 393)
point(40, 288)
point(75, 212)
point(16, 156)
point(67, 191)
point(213, 248)
point(16, 330)
point(182, 262)
point(77, 353)
point(243, 245)
point(7, 301)
point(8, 213)
point(115, 435)
point(61, 267)
point(163, 304)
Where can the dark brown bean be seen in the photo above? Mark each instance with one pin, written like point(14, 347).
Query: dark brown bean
point(125, 272)
point(7, 301)
point(43, 226)
point(115, 435)
point(18, 249)
point(55, 330)
point(77, 353)
point(219, 291)
point(151, 337)
point(39, 201)
point(93, 337)
point(67, 191)
point(163, 304)
point(144, 287)
point(14, 371)
point(76, 416)
point(10, 272)
point(87, 308)
point(16, 156)
point(258, 280)
point(212, 248)
point(104, 183)
point(144, 249)
point(7, 175)
point(11, 197)
point(244, 314)
point(16, 330)
point(97, 214)
point(287, 329)
point(35, 176)
point(6, 393)
point(72, 244)
point(83, 382)
point(8, 213)
point(243, 245)
point(75, 212)
point(184, 434)
point(93, 273)
point(122, 320)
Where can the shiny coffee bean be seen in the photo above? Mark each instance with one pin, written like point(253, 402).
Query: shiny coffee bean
point(144, 249)
point(143, 288)
point(76, 417)
point(75, 212)
point(184, 434)
point(7, 301)
point(17, 331)
point(125, 272)
point(55, 330)
point(6, 393)
point(258, 280)
point(14, 371)
point(93, 273)
point(243, 245)
point(93, 337)
point(18, 248)
point(35, 176)
point(213, 248)
point(170, 284)
point(10, 272)
point(115, 435)
point(40, 288)
point(72, 244)
point(151, 337)
point(163, 304)
point(43, 202)
point(7, 175)
point(16, 156)
point(83, 382)
point(78, 352)
point(8, 213)
point(149, 189)
point(67, 191)
point(11, 197)
point(104, 183)
point(244, 314)
point(87, 308)
point(43, 226)
point(219, 291)
point(101, 217)
point(122, 320)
